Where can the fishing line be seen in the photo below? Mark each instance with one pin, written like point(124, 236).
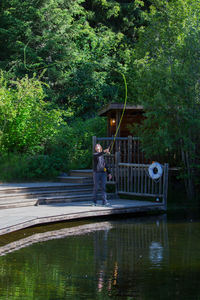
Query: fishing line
point(32, 66)
point(44, 68)
point(124, 108)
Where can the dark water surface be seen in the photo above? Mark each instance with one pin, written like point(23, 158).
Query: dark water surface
point(133, 258)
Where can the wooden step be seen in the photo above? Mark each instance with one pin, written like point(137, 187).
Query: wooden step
point(19, 203)
point(44, 200)
point(28, 194)
point(65, 199)
point(45, 193)
point(75, 179)
point(20, 195)
point(72, 198)
point(81, 173)
point(19, 200)
point(12, 203)
point(22, 190)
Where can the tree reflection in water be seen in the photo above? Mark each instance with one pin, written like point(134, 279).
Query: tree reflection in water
point(119, 259)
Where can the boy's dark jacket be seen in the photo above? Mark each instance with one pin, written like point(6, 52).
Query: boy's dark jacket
point(99, 164)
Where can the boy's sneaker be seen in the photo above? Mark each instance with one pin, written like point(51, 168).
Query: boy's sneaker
point(94, 204)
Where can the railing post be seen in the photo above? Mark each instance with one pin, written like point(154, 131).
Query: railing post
point(94, 141)
point(130, 143)
point(165, 185)
point(117, 161)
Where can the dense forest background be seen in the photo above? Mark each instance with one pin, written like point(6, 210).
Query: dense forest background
point(61, 60)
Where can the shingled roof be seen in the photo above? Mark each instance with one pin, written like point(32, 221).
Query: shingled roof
point(119, 106)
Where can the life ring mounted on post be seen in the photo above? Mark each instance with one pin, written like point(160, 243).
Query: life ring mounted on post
point(155, 170)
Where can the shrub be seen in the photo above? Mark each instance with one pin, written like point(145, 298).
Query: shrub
point(23, 167)
point(73, 144)
point(27, 122)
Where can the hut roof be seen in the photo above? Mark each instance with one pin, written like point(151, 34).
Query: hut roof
point(119, 106)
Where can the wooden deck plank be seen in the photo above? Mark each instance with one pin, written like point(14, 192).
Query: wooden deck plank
point(19, 218)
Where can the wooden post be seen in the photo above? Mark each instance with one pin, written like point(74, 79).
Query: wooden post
point(129, 149)
point(108, 126)
point(117, 161)
point(165, 185)
point(94, 141)
point(130, 144)
point(118, 116)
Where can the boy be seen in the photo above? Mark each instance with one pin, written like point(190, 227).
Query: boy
point(100, 172)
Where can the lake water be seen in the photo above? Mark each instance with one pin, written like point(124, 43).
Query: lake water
point(151, 257)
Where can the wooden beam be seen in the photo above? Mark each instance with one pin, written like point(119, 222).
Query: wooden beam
point(118, 116)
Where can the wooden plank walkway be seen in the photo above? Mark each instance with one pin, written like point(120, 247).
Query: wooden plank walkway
point(18, 218)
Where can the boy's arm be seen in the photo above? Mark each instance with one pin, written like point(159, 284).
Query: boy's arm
point(97, 154)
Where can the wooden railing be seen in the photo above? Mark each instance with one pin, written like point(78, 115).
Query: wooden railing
point(131, 151)
point(129, 168)
point(134, 179)
point(128, 147)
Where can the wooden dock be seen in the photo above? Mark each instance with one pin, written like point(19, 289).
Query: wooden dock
point(18, 218)
point(27, 204)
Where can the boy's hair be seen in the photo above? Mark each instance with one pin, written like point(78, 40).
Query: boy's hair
point(97, 146)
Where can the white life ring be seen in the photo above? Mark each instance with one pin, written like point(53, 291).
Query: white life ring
point(159, 170)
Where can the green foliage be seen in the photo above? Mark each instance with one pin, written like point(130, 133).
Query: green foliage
point(35, 141)
point(167, 64)
point(122, 16)
point(80, 43)
point(18, 167)
point(70, 148)
point(166, 80)
point(27, 122)
point(73, 144)
point(77, 48)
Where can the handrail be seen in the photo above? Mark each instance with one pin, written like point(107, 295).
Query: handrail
point(117, 138)
point(134, 165)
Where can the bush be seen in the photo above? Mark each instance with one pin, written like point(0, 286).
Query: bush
point(73, 144)
point(27, 122)
point(18, 167)
point(35, 141)
point(71, 148)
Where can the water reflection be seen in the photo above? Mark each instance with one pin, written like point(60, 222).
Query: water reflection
point(156, 253)
point(53, 234)
point(129, 247)
point(118, 259)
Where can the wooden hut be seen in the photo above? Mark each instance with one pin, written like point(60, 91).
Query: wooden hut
point(134, 114)
point(127, 162)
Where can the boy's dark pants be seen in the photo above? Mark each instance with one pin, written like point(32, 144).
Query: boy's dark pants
point(97, 178)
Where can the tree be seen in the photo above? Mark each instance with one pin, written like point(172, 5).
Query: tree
point(80, 43)
point(166, 81)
